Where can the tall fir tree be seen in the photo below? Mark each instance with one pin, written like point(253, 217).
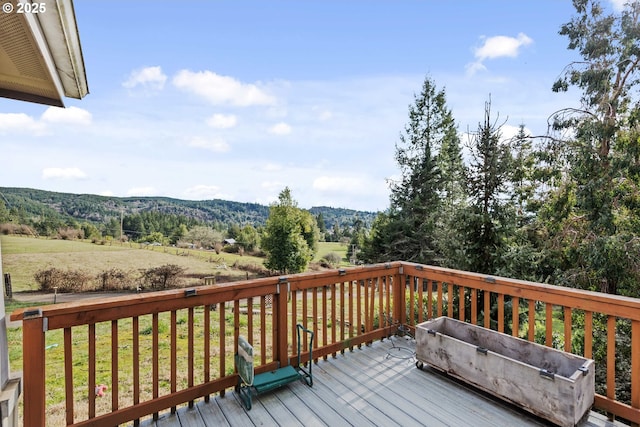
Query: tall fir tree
point(408, 230)
point(488, 219)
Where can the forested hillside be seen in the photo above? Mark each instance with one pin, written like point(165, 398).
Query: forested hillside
point(48, 210)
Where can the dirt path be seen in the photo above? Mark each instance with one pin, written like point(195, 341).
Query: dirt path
point(47, 297)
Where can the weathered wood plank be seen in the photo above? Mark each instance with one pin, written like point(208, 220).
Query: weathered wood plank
point(364, 387)
point(212, 414)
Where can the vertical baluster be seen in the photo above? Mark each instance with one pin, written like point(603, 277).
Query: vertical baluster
point(92, 370)
point(342, 314)
point(250, 317)
point(366, 305)
point(567, 330)
point(324, 318)
point(430, 298)
point(388, 293)
point(515, 316)
point(155, 357)
point(611, 357)
point(236, 325)
point(474, 306)
point(207, 347)
point(450, 299)
point(381, 316)
point(548, 324)
point(115, 391)
point(333, 315)
point(350, 293)
point(294, 316)
point(412, 299)
point(135, 354)
point(68, 374)
point(500, 312)
point(588, 334)
point(174, 354)
point(263, 330)
point(305, 316)
point(190, 349)
point(315, 320)
point(420, 301)
point(439, 299)
point(487, 309)
point(222, 322)
point(461, 303)
point(358, 308)
point(532, 320)
point(372, 304)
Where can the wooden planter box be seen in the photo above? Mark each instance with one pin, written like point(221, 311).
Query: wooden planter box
point(549, 383)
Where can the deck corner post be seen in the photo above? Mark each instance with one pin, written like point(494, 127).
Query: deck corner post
point(34, 371)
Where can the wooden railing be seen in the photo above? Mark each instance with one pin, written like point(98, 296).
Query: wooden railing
point(159, 350)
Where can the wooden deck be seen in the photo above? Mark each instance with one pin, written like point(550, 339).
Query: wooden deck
point(376, 385)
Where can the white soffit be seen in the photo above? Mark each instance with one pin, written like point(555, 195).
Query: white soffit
point(40, 53)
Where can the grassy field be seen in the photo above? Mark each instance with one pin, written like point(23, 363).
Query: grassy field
point(22, 257)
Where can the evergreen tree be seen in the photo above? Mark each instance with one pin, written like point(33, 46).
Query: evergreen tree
point(410, 224)
point(488, 219)
point(454, 200)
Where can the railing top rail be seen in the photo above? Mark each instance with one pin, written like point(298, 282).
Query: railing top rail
point(616, 305)
point(112, 308)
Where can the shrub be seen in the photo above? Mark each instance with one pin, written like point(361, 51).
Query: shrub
point(64, 281)
point(163, 277)
point(114, 280)
point(69, 233)
point(19, 229)
point(331, 260)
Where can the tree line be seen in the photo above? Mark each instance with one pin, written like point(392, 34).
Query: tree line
point(561, 208)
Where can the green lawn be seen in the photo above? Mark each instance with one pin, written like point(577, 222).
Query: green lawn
point(22, 257)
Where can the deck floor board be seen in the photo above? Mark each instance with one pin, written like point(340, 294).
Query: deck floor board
point(376, 385)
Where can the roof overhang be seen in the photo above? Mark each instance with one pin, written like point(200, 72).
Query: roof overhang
point(40, 53)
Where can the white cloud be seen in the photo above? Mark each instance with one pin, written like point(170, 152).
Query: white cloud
point(63, 173)
point(149, 77)
point(222, 90)
point(497, 47)
point(215, 144)
point(280, 129)
point(20, 123)
point(70, 116)
point(273, 185)
point(203, 192)
point(509, 131)
point(222, 121)
point(142, 191)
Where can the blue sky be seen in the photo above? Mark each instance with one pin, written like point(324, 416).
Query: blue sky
point(237, 99)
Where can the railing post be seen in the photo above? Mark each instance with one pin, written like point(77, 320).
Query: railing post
point(399, 304)
point(33, 369)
